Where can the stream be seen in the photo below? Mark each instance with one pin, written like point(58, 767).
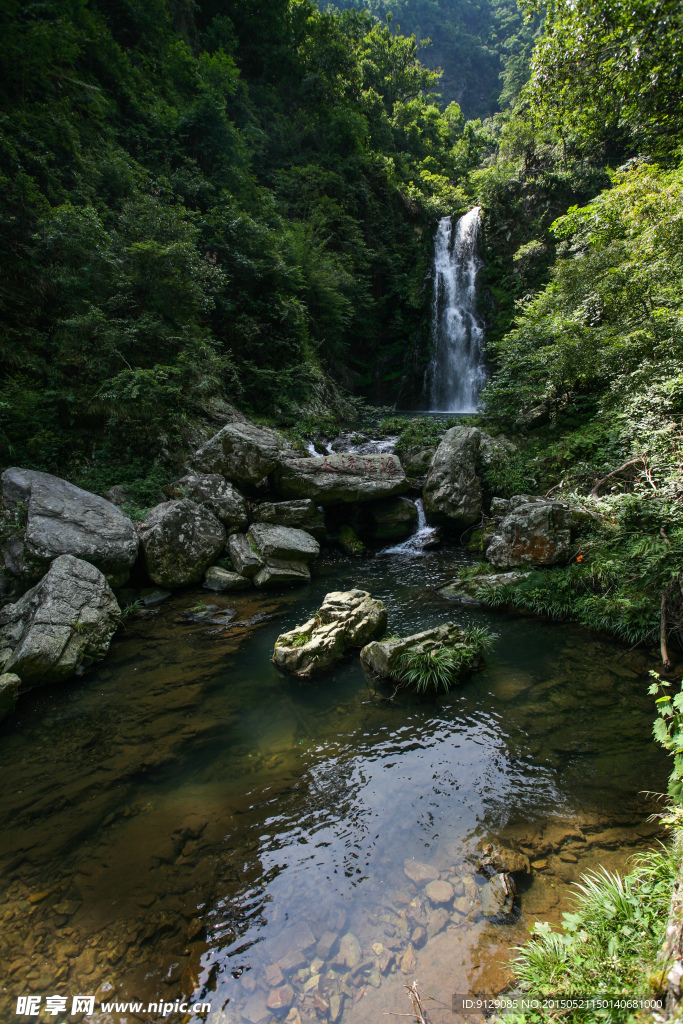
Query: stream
point(185, 818)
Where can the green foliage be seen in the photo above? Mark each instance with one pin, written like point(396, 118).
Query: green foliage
point(668, 730)
point(609, 943)
point(614, 583)
point(215, 204)
point(437, 668)
point(477, 45)
point(608, 77)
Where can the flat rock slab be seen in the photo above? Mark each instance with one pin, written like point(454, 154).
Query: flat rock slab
point(62, 519)
point(303, 515)
point(345, 619)
point(283, 542)
point(336, 479)
point(439, 891)
point(279, 573)
point(298, 939)
point(420, 872)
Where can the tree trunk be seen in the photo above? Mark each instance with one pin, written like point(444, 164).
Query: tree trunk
point(662, 634)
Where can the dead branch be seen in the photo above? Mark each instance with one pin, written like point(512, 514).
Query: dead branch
point(595, 493)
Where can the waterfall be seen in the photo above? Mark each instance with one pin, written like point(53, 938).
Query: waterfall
point(424, 537)
point(456, 375)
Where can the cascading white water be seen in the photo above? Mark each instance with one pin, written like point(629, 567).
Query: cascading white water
point(424, 537)
point(456, 374)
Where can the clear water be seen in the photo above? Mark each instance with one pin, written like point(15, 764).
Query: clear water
point(456, 373)
point(167, 817)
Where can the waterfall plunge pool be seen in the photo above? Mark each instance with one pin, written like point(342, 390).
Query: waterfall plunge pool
point(185, 816)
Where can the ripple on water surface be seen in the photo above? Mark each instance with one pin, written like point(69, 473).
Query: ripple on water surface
point(186, 818)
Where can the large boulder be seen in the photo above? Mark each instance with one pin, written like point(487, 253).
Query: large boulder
point(393, 519)
point(214, 492)
point(383, 657)
point(345, 619)
point(530, 531)
point(283, 542)
point(338, 479)
point(452, 490)
point(54, 517)
point(180, 539)
point(241, 452)
point(303, 515)
point(61, 625)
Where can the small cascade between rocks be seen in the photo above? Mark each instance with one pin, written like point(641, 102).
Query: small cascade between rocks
point(456, 373)
point(425, 537)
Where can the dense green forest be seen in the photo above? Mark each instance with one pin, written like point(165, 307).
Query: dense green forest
point(207, 200)
point(483, 49)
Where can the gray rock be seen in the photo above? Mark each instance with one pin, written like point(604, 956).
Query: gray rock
point(303, 515)
point(242, 452)
point(278, 573)
point(531, 419)
point(393, 519)
point(344, 619)
point(244, 555)
point(383, 656)
point(420, 872)
point(502, 860)
point(283, 543)
point(9, 688)
point(494, 450)
point(61, 625)
point(532, 531)
point(418, 463)
point(218, 579)
point(118, 495)
point(350, 950)
point(497, 896)
point(452, 489)
point(214, 492)
point(467, 589)
point(180, 539)
point(337, 479)
point(62, 519)
point(437, 922)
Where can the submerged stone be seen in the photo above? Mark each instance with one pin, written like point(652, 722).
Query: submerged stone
point(420, 872)
point(9, 688)
point(220, 580)
point(497, 896)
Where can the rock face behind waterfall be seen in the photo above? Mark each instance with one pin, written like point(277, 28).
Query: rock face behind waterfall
point(345, 619)
point(59, 518)
point(62, 624)
point(452, 489)
point(530, 531)
point(337, 479)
